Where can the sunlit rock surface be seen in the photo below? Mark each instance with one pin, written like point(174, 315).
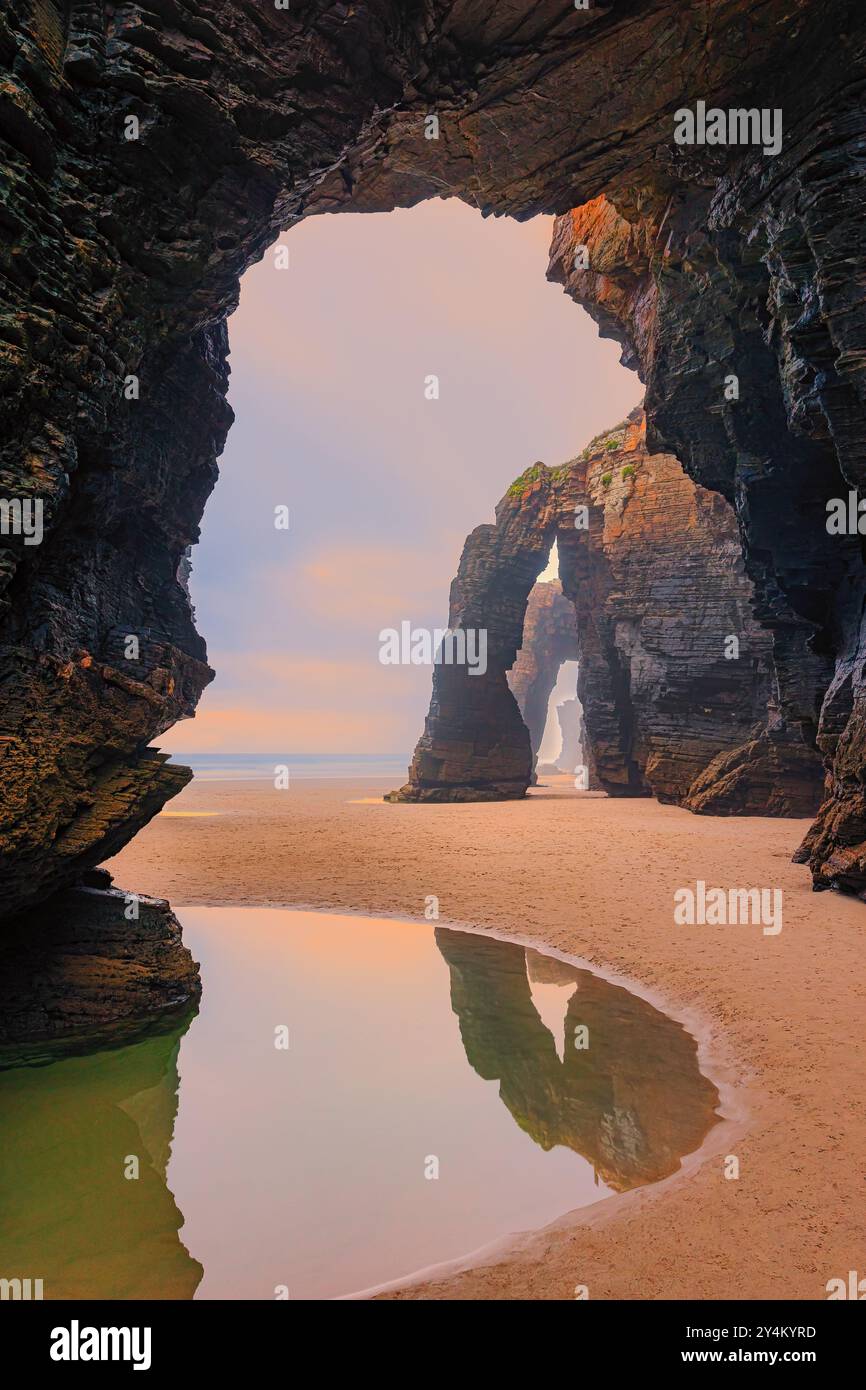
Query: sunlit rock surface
point(121, 257)
point(675, 674)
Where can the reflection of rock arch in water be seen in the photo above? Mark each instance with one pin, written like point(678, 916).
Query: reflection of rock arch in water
point(76, 1221)
point(633, 1104)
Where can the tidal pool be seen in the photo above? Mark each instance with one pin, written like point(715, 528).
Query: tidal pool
point(439, 1089)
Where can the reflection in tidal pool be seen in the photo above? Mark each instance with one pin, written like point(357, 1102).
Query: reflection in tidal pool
point(68, 1214)
point(308, 1167)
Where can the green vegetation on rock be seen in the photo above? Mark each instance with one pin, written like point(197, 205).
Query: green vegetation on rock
point(531, 475)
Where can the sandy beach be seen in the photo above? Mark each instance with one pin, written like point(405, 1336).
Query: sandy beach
point(779, 1018)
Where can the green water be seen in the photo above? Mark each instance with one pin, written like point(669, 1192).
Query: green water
point(68, 1213)
point(309, 1167)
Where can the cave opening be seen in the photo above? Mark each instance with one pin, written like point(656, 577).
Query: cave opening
point(156, 155)
point(339, 329)
point(654, 727)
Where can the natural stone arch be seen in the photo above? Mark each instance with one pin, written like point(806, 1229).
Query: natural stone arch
point(675, 674)
point(475, 745)
point(124, 257)
point(550, 640)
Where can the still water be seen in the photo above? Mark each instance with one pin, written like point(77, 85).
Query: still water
point(531, 1087)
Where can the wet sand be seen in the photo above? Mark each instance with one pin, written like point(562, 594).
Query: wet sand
point(780, 1019)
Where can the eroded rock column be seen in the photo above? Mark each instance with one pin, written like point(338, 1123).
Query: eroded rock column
point(475, 746)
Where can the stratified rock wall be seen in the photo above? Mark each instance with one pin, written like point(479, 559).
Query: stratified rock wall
point(675, 673)
point(154, 152)
point(151, 154)
point(475, 746)
point(91, 966)
point(621, 289)
point(667, 593)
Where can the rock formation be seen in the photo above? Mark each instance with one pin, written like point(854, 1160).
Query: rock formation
point(475, 746)
point(572, 753)
point(154, 152)
point(675, 675)
point(80, 966)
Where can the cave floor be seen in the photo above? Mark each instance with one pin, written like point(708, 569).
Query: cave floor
point(777, 1016)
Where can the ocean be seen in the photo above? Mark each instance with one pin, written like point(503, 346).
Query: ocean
point(255, 767)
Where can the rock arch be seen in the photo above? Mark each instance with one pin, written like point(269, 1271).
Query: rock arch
point(475, 745)
point(123, 256)
point(675, 673)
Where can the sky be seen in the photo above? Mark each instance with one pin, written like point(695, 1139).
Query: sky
point(329, 359)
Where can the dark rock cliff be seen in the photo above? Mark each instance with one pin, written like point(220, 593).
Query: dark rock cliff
point(89, 965)
point(475, 745)
point(675, 675)
point(120, 258)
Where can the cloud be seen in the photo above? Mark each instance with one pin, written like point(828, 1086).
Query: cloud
point(306, 706)
point(328, 360)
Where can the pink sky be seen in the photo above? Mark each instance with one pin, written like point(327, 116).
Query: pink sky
point(328, 364)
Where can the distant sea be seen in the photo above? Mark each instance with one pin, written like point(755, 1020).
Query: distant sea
point(255, 767)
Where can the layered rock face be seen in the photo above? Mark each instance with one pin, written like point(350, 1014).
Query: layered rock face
point(675, 675)
point(150, 157)
point(623, 296)
point(154, 152)
point(81, 966)
point(475, 745)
